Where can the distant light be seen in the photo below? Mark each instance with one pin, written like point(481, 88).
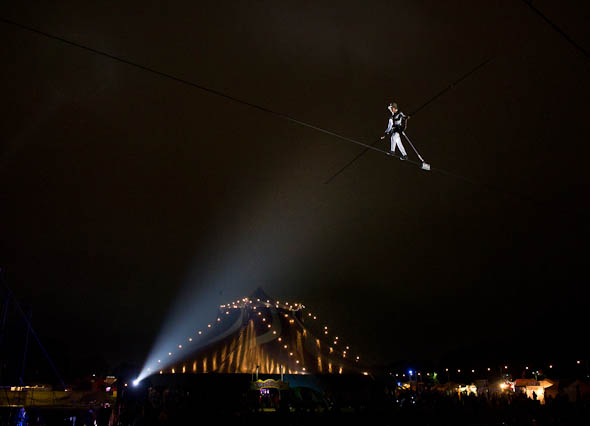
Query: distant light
point(446, 369)
point(365, 373)
point(578, 362)
point(410, 372)
point(458, 371)
point(505, 367)
point(209, 325)
point(526, 368)
point(314, 317)
point(125, 384)
point(135, 382)
point(488, 368)
point(200, 332)
point(179, 346)
point(190, 339)
point(473, 371)
point(551, 366)
point(169, 353)
point(108, 389)
point(285, 346)
point(159, 361)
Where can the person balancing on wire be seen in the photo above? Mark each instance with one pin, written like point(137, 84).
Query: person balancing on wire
point(397, 125)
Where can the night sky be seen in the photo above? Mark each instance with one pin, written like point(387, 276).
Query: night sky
point(122, 191)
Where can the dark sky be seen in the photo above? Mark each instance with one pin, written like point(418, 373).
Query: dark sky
point(120, 188)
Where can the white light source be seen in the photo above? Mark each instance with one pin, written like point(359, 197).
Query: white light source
point(135, 382)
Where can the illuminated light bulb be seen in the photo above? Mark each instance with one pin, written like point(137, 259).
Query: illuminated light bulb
point(259, 313)
point(473, 371)
point(279, 339)
point(551, 366)
point(169, 353)
point(218, 319)
point(419, 374)
point(263, 319)
point(458, 371)
point(365, 373)
point(285, 346)
point(254, 308)
point(396, 374)
point(309, 314)
point(505, 367)
point(336, 337)
point(286, 315)
point(200, 332)
point(159, 361)
point(161, 372)
point(258, 300)
point(190, 339)
point(347, 348)
point(488, 368)
point(446, 369)
point(274, 331)
point(404, 375)
point(179, 346)
point(268, 325)
point(315, 317)
point(267, 301)
point(325, 327)
point(526, 368)
point(428, 374)
point(209, 325)
point(578, 362)
point(358, 357)
point(227, 313)
point(303, 368)
point(290, 353)
point(297, 362)
point(325, 332)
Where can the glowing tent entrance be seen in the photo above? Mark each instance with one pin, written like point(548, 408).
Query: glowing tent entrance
point(262, 335)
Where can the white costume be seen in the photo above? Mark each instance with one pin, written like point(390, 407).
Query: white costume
point(394, 128)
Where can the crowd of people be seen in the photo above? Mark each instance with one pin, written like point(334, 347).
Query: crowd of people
point(178, 405)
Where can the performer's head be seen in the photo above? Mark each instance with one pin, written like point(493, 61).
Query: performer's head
point(392, 107)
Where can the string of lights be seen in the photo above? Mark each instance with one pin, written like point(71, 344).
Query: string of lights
point(246, 303)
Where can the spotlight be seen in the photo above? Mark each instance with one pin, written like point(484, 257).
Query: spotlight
point(135, 382)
